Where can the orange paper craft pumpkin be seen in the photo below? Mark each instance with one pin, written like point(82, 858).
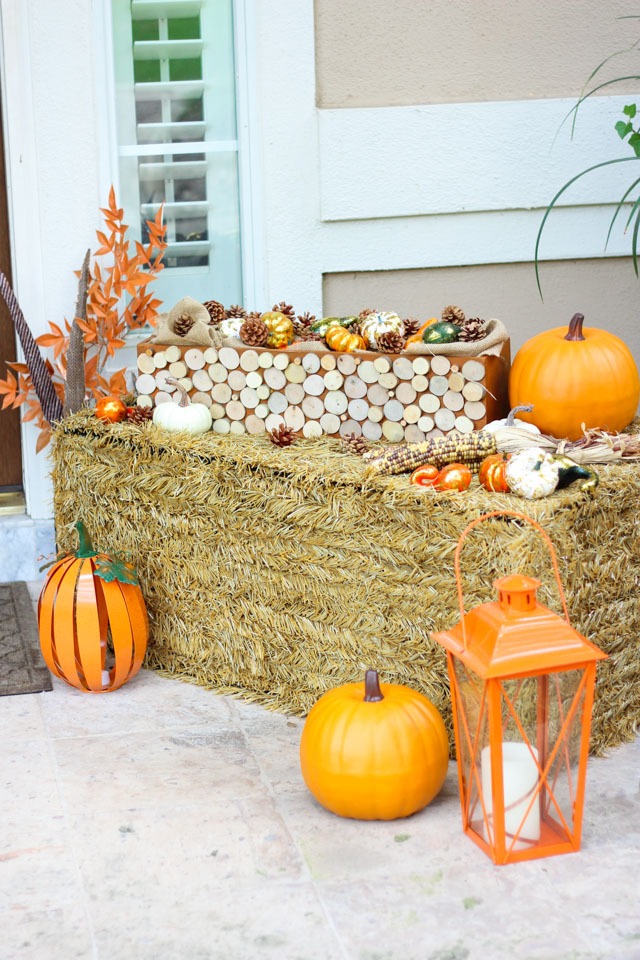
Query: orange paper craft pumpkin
point(344, 342)
point(575, 376)
point(111, 409)
point(86, 595)
point(374, 751)
point(454, 476)
point(491, 474)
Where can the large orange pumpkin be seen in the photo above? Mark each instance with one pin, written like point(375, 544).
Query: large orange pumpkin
point(374, 751)
point(86, 596)
point(583, 375)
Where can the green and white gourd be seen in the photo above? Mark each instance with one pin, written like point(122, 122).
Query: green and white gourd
point(376, 323)
point(532, 473)
point(185, 416)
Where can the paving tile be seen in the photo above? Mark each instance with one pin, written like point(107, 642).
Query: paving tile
point(156, 772)
point(147, 702)
point(27, 775)
point(275, 742)
point(59, 934)
point(21, 717)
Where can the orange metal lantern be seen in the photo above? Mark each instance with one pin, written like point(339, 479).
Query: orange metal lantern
point(522, 682)
point(87, 596)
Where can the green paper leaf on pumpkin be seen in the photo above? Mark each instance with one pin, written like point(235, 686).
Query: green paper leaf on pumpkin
point(118, 569)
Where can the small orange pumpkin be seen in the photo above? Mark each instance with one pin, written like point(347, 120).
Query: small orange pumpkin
point(86, 596)
point(580, 376)
point(374, 751)
point(425, 476)
point(112, 409)
point(492, 474)
point(417, 337)
point(455, 476)
point(339, 339)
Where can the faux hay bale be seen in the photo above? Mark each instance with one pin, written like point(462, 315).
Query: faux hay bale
point(277, 574)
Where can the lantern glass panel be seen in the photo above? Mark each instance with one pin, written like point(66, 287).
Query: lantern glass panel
point(565, 693)
point(472, 717)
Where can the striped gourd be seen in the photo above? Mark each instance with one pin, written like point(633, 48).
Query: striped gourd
point(469, 448)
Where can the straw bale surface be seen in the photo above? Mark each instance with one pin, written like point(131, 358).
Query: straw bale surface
point(277, 574)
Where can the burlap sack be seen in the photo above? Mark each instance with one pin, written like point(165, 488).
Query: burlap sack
point(200, 334)
point(489, 346)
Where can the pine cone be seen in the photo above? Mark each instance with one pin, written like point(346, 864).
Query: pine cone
point(390, 342)
point(453, 314)
point(254, 315)
point(365, 313)
point(473, 329)
point(353, 444)
point(254, 332)
point(236, 311)
point(216, 311)
point(309, 335)
point(282, 436)
point(183, 324)
point(304, 320)
point(139, 415)
point(285, 308)
point(411, 326)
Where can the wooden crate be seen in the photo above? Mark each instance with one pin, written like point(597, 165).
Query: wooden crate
point(391, 396)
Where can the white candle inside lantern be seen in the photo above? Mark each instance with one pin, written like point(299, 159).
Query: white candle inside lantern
point(520, 777)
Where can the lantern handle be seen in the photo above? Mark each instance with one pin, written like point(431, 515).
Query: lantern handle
point(469, 528)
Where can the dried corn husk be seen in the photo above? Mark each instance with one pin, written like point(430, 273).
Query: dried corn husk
point(597, 446)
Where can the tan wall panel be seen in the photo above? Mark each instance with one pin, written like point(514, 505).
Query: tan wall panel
point(606, 291)
point(372, 53)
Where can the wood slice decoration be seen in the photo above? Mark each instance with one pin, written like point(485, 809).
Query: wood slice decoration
point(376, 414)
point(473, 391)
point(254, 379)
point(421, 366)
point(218, 373)
point(265, 359)
point(440, 365)
point(161, 396)
point(249, 361)
point(456, 382)
point(405, 393)
point(438, 386)
point(394, 411)
point(420, 383)
point(237, 427)
point(313, 407)
point(311, 362)
point(172, 353)
point(475, 410)
point(429, 403)
point(178, 369)
point(254, 424)
point(328, 362)
point(412, 413)
point(237, 380)
point(358, 409)
point(388, 380)
point(229, 357)
point(294, 392)
point(161, 381)
point(262, 411)
point(473, 370)
point(275, 378)
point(201, 380)
point(346, 364)
point(425, 423)
point(371, 430)
point(330, 423)
point(444, 419)
point(210, 355)
point(144, 401)
point(403, 368)
point(355, 388)
point(146, 363)
point(222, 425)
point(314, 385)
point(413, 434)
point(382, 364)
point(333, 380)
point(263, 391)
point(249, 398)
point(377, 395)
point(312, 429)
point(393, 431)
point(434, 433)
point(464, 424)
point(145, 383)
point(217, 411)
point(160, 360)
point(277, 403)
point(194, 359)
point(367, 371)
point(221, 393)
point(336, 402)
point(453, 401)
point(281, 361)
point(187, 383)
point(294, 418)
point(273, 421)
point(350, 426)
point(295, 373)
point(201, 397)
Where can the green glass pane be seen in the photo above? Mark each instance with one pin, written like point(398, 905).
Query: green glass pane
point(184, 28)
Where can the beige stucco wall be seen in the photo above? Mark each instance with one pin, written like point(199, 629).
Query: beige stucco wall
point(606, 291)
point(372, 53)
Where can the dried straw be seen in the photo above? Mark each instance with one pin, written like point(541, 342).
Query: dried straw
point(276, 574)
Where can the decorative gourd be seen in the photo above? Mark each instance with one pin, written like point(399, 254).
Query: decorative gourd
point(575, 377)
point(230, 326)
point(86, 599)
point(426, 476)
point(280, 329)
point(532, 473)
point(111, 409)
point(510, 420)
point(417, 337)
point(441, 332)
point(569, 471)
point(455, 476)
point(184, 415)
point(322, 325)
point(374, 751)
point(339, 339)
point(376, 323)
point(491, 474)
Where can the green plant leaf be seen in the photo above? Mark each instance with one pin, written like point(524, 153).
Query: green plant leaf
point(634, 244)
point(634, 143)
point(630, 217)
point(605, 163)
point(582, 98)
point(623, 128)
point(619, 208)
point(630, 110)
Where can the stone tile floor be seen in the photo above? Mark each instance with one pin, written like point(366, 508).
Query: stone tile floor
point(164, 822)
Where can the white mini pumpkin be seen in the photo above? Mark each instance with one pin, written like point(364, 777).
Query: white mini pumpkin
point(230, 326)
point(186, 416)
point(376, 323)
point(510, 421)
point(532, 473)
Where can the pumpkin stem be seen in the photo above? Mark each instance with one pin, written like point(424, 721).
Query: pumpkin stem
point(527, 407)
point(85, 547)
point(184, 396)
point(575, 327)
point(372, 691)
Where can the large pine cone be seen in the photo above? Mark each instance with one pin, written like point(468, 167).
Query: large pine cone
point(453, 314)
point(353, 444)
point(139, 415)
point(285, 308)
point(236, 311)
point(183, 324)
point(309, 335)
point(473, 329)
point(282, 436)
point(304, 320)
point(411, 326)
point(390, 342)
point(365, 313)
point(216, 311)
point(254, 332)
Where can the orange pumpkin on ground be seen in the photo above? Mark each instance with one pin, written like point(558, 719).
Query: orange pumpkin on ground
point(580, 376)
point(374, 751)
point(491, 474)
point(455, 476)
point(86, 596)
point(339, 339)
point(112, 409)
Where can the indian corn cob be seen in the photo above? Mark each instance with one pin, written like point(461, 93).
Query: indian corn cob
point(469, 448)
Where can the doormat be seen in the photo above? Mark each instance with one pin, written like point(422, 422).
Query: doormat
point(22, 669)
